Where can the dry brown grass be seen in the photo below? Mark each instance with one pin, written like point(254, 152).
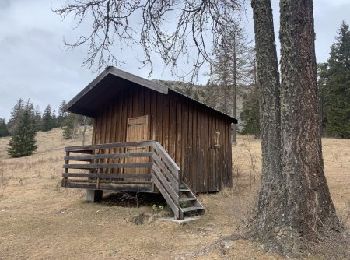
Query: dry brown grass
point(40, 220)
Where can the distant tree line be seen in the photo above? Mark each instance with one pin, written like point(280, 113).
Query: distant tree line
point(25, 122)
point(213, 95)
point(333, 83)
point(219, 93)
point(334, 86)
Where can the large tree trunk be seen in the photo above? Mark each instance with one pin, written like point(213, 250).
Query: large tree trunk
point(308, 207)
point(294, 201)
point(269, 202)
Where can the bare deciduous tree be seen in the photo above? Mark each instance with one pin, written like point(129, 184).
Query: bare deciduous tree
point(199, 23)
point(233, 65)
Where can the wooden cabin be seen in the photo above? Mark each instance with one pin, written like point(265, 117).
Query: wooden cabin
point(141, 129)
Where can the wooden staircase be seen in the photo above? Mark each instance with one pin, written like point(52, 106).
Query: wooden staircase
point(189, 203)
point(166, 177)
point(108, 169)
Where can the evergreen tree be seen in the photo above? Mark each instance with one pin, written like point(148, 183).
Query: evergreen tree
point(3, 128)
point(23, 141)
point(251, 114)
point(62, 113)
point(321, 84)
point(37, 118)
point(54, 122)
point(15, 115)
point(47, 120)
point(69, 126)
point(334, 80)
point(233, 66)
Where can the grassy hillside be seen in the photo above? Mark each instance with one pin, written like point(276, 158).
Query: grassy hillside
point(39, 219)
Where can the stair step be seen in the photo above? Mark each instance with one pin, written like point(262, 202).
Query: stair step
point(191, 209)
point(185, 189)
point(187, 199)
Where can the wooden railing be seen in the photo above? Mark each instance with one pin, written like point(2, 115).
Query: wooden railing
point(128, 166)
point(166, 176)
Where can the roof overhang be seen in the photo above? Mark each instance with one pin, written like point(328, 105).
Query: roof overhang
point(111, 83)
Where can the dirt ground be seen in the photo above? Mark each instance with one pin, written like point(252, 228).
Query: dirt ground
point(41, 220)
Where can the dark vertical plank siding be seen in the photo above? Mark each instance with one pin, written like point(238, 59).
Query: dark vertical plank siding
point(222, 150)
point(147, 108)
point(94, 131)
point(118, 113)
point(189, 154)
point(153, 115)
point(205, 149)
point(109, 123)
point(202, 181)
point(179, 122)
point(165, 119)
point(103, 126)
point(218, 158)
point(184, 142)
point(224, 142)
point(229, 155)
point(172, 127)
point(185, 129)
point(212, 152)
point(194, 152)
point(158, 118)
point(126, 104)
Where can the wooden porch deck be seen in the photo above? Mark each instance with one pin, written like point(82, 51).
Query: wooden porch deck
point(130, 166)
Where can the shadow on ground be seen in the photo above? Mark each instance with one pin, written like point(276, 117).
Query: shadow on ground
point(133, 199)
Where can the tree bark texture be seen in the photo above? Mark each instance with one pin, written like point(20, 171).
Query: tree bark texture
point(308, 207)
point(269, 203)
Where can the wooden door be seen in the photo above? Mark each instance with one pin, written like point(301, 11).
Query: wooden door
point(138, 130)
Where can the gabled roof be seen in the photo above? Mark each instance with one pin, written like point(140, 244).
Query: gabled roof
point(103, 89)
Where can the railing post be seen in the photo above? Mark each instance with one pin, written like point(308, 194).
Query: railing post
point(93, 161)
point(66, 169)
point(153, 148)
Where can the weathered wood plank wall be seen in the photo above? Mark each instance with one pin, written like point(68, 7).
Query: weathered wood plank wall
point(185, 129)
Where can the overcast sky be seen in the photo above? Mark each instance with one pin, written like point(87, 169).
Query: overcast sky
point(35, 64)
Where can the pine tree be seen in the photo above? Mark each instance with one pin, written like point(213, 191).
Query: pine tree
point(251, 114)
point(335, 88)
point(69, 126)
point(47, 120)
point(23, 141)
point(232, 67)
point(62, 113)
point(15, 115)
point(37, 118)
point(321, 84)
point(3, 128)
point(54, 121)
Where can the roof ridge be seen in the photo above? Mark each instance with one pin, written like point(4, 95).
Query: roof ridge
point(150, 84)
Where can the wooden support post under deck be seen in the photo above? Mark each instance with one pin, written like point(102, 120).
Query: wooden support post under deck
point(94, 195)
point(66, 161)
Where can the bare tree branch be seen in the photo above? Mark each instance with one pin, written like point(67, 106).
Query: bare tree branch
point(198, 25)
